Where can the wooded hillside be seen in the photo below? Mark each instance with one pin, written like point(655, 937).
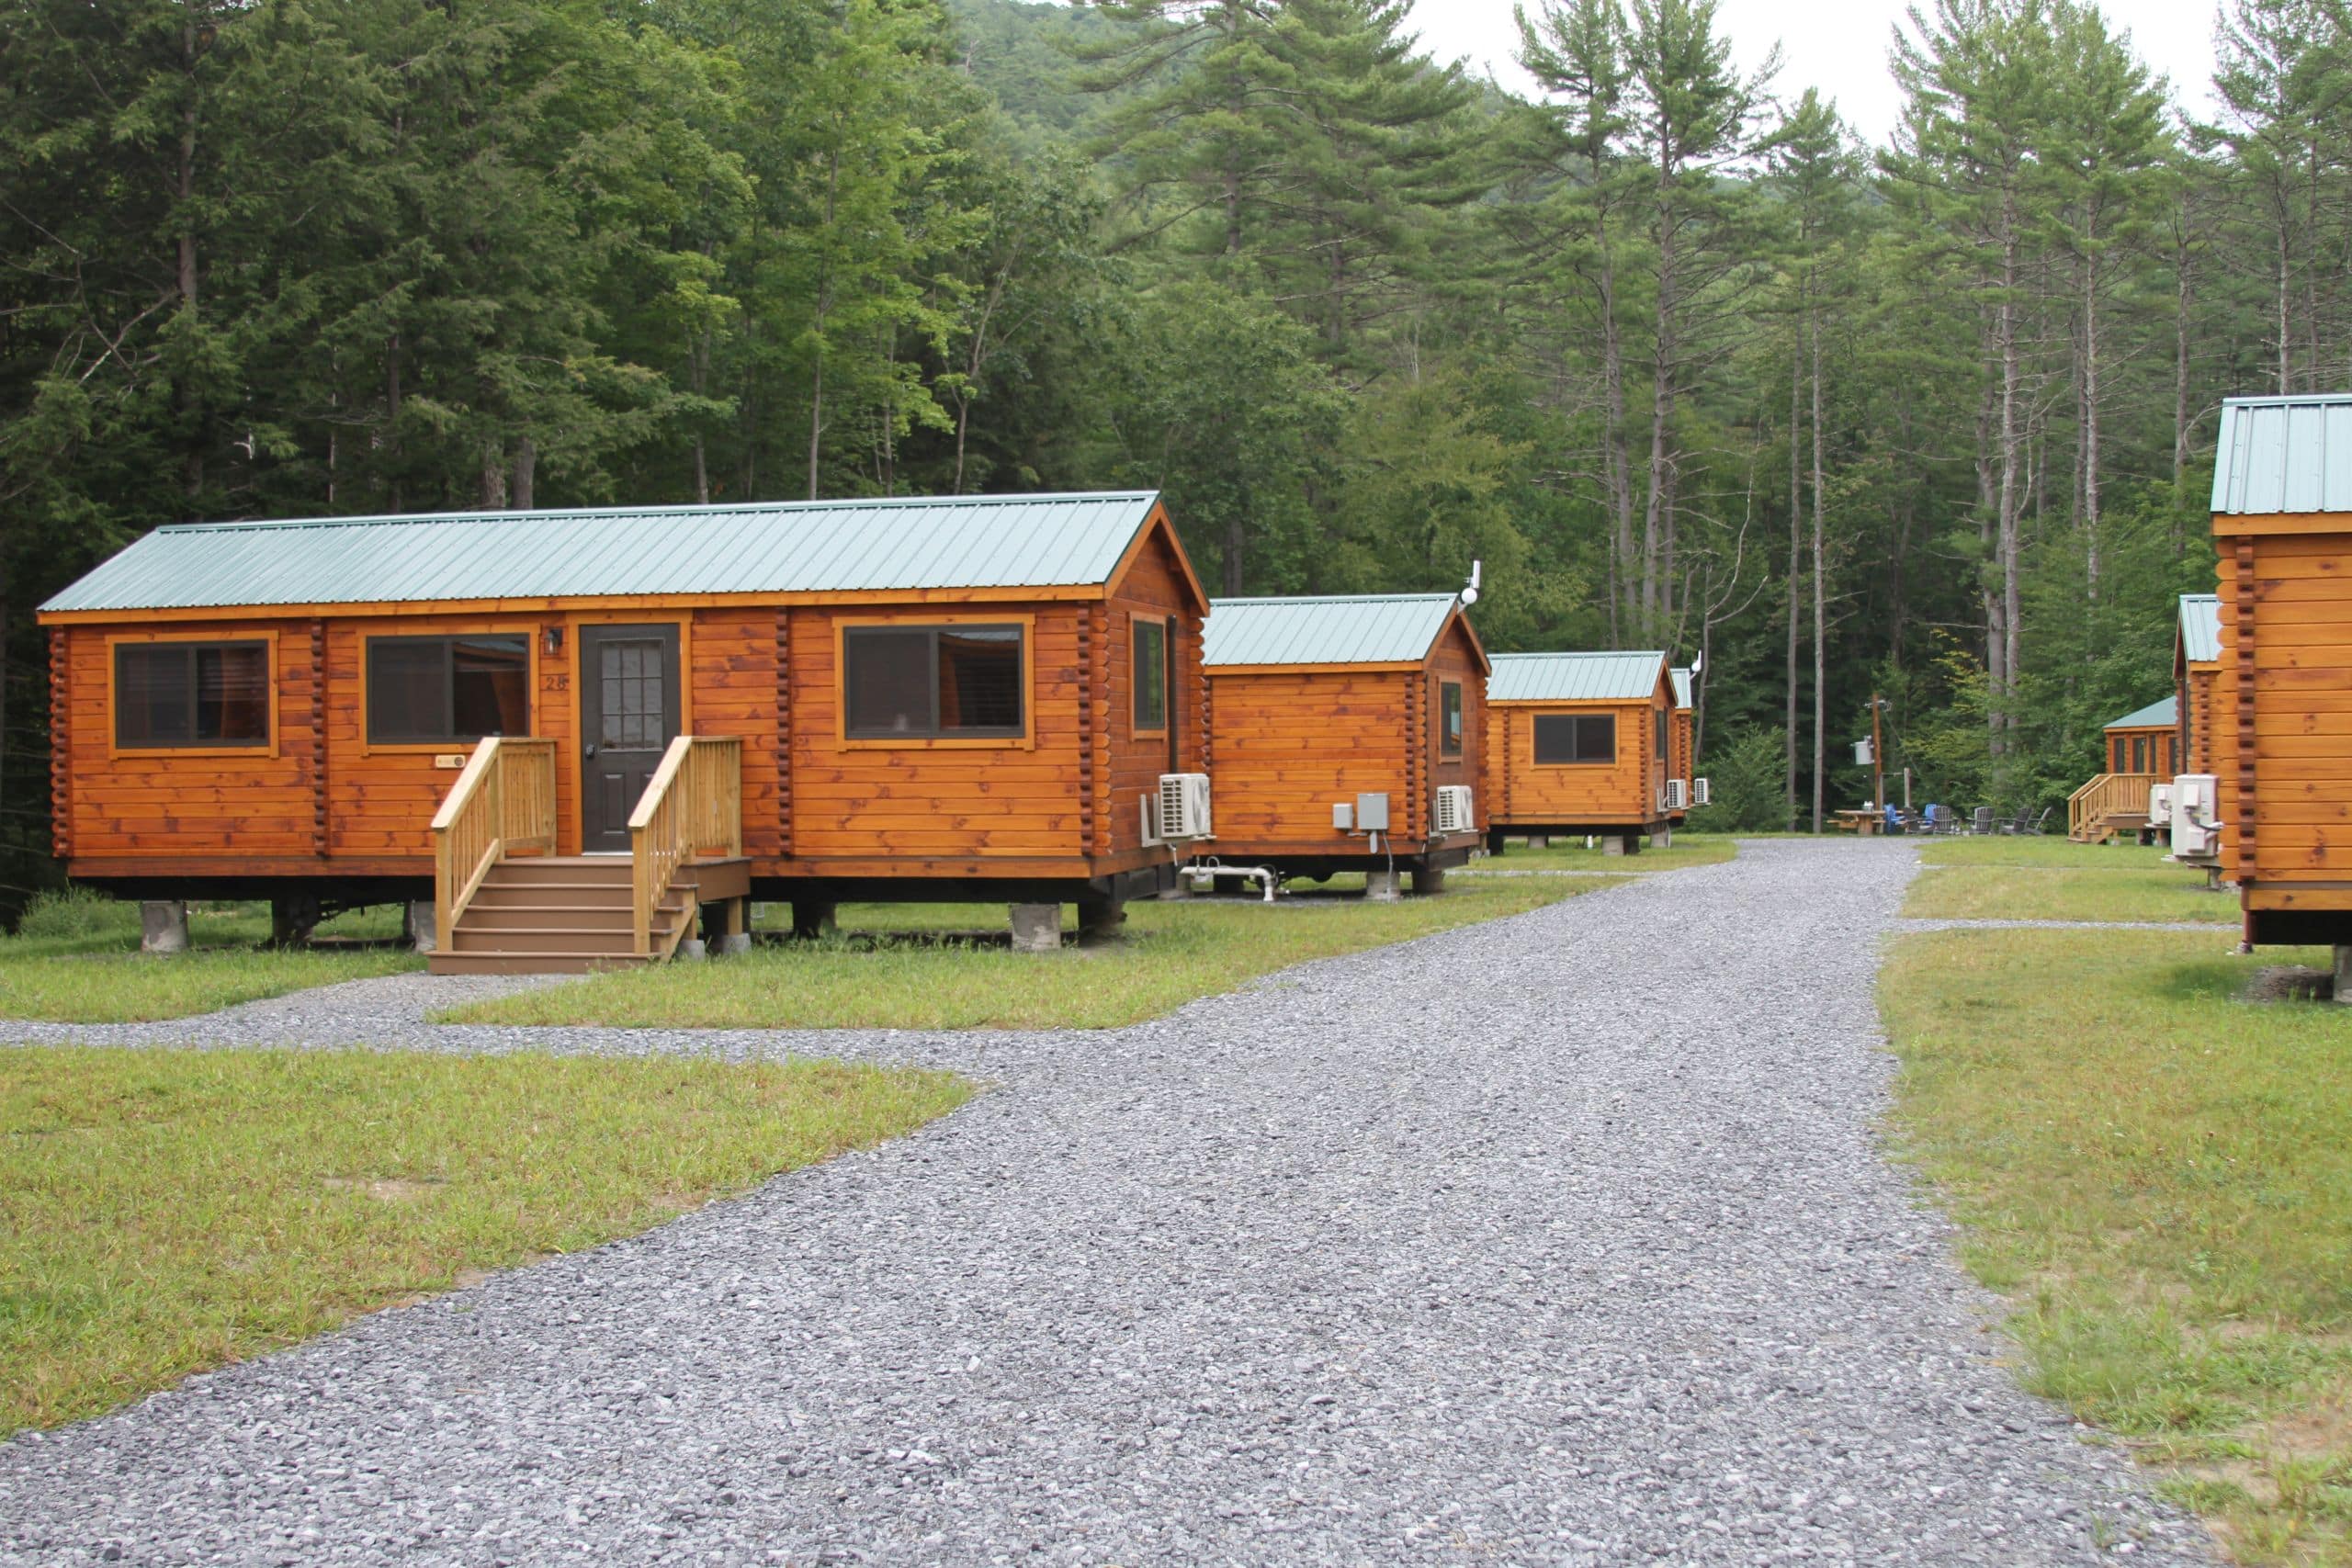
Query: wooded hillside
point(1681, 360)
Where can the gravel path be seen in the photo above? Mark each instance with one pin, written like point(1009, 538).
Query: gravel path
point(1559, 1239)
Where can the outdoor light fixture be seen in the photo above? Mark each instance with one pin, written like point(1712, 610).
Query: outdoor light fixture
point(552, 639)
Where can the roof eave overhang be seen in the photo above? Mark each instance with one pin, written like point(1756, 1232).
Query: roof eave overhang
point(563, 603)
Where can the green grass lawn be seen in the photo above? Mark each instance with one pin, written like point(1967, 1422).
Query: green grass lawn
point(77, 960)
point(2159, 1174)
point(1171, 954)
point(1569, 855)
point(2053, 879)
point(162, 1212)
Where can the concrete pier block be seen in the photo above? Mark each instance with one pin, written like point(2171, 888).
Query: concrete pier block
point(2344, 975)
point(1037, 928)
point(418, 925)
point(1662, 839)
point(694, 950)
point(1539, 841)
point(1613, 845)
point(162, 926)
point(733, 944)
point(810, 919)
point(1430, 879)
point(1100, 920)
point(1383, 887)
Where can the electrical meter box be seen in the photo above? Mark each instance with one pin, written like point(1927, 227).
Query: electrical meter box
point(1372, 812)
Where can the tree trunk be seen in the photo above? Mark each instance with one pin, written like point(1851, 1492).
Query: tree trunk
point(493, 476)
point(191, 413)
point(2091, 422)
point(1796, 564)
point(1616, 460)
point(1820, 591)
point(527, 473)
point(2012, 496)
point(1230, 567)
point(2180, 307)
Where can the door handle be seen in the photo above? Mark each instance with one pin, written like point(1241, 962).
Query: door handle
point(592, 749)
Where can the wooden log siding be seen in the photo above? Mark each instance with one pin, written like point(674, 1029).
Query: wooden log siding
point(783, 748)
point(61, 748)
point(318, 761)
point(2241, 650)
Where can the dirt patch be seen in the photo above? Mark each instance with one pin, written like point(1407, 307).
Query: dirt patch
point(386, 1190)
point(2291, 983)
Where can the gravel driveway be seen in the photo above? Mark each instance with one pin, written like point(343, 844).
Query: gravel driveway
point(1560, 1240)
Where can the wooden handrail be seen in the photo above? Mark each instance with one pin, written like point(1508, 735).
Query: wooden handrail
point(502, 803)
point(691, 808)
point(2107, 794)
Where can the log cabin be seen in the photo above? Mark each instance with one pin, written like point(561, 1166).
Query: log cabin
point(2146, 740)
point(1579, 744)
point(2282, 700)
point(1682, 754)
point(2136, 752)
point(2196, 666)
point(1345, 734)
point(534, 718)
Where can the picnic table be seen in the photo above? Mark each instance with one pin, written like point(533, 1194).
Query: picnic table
point(1864, 820)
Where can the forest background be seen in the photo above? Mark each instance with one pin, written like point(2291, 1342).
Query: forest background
point(1684, 362)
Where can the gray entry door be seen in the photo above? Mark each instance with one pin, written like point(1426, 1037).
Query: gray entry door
point(629, 716)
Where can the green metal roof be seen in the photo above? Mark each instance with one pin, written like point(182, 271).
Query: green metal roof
point(1682, 687)
point(1367, 628)
point(1575, 677)
point(2290, 454)
point(2201, 627)
point(2155, 716)
point(995, 541)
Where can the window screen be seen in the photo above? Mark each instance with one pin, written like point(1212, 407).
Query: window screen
point(1450, 719)
point(1152, 675)
point(1576, 738)
point(191, 693)
point(925, 682)
point(439, 690)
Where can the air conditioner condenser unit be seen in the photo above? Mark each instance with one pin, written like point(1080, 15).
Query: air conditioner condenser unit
point(1678, 795)
point(1701, 793)
point(1184, 806)
point(1453, 811)
point(2160, 805)
point(2196, 817)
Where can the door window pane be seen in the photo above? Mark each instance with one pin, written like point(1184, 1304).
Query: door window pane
point(631, 698)
point(191, 693)
point(1152, 675)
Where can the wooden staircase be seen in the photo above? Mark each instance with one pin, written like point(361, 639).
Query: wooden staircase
point(557, 915)
point(505, 905)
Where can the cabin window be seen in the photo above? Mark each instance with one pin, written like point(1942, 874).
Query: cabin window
point(932, 682)
point(2119, 767)
point(1151, 674)
point(435, 690)
point(1449, 708)
point(2139, 753)
point(176, 694)
point(1563, 738)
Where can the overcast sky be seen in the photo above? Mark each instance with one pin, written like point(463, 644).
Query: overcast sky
point(1838, 46)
